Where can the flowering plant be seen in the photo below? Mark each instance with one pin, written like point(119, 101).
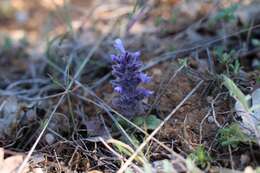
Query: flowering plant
point(126, 70)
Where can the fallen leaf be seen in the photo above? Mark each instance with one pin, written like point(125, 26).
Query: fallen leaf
point(256, 103)
point(152, 122)
point(10, 164)
point(250, 120)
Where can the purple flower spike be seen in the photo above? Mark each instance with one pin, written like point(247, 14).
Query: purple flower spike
point(126, 70)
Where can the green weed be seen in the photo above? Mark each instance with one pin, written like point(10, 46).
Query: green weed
point(226, 14)
point(200, 157)
point(232, 136)
point(151, 122)
point(229, 60)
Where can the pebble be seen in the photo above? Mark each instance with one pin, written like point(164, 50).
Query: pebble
point(209, 99)
point(22, 17)
point(244, 159)
point(210, 119)
point(49, 138)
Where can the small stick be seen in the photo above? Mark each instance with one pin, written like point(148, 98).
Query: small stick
point(210, 62)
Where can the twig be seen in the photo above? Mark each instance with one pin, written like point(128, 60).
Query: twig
point(201, 123)
point(231, 157)
point(210, 61)
point(213, 110)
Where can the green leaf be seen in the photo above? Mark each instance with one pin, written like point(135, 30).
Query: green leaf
point(152, 122)
point(227, 14)
point(200, 156)
point(183, 62)
point(232, 135)
point(139, 121)
point(8, 43)
point(256, 42)
point(236, 92)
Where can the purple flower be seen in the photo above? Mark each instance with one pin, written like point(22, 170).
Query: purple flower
point(119, 46)
point(126, 70)
point(118, 89)
point(145, 78)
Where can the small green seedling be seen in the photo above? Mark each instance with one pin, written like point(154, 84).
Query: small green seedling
point(257, 80)
point(8, 43)
point(173, 19)
point(183, 62)
point(232, 135)
point(229, 60)
point(200, 157)
point(255, 42)
point(158, 21)
point(235, 67)
point(227, 14)
point(224, 57)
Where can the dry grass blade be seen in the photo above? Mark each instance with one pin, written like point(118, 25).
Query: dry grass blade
point(128, 162)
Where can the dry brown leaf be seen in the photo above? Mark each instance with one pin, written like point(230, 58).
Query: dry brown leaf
point(10, 164)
